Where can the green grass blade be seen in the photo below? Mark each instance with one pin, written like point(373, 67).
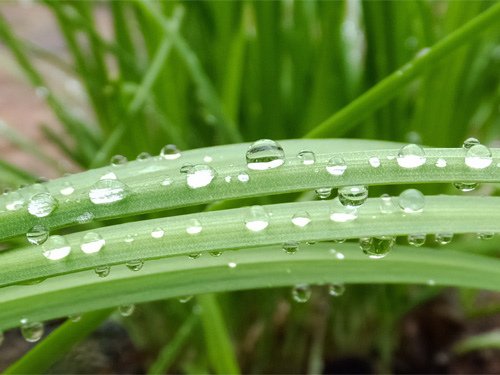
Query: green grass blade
point(489, 340)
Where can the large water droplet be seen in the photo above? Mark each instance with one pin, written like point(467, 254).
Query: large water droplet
point(411, 156)
point(387, 205)
point(42, 204)
point(157, 233)
point(465, 186)
point(336, 166)
point(118, 160)
point(14, 201)
point(135, 265)
point(444, 238)
point(37, 235)
point(200, 175)
point(469, 142)
point(102, 271)
point(307, 157)
point(265, 154)
point(336, 290)
point(31, 331)
point(194, 227)
point(55, 248)
point(323, 193)
point(92, 243)
point(67, 189)
point(301, 293)
point(256, 219)
point(301, 219)
point(126, 310)
point(340, 213)
point(108, 191)
point(376, 247)
point(411, 201)
point(291, 247)
point(353, 196)
point(170, 152)
point(478, 157)
point(416, 240)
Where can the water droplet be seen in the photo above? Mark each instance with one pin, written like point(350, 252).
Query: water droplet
point(170, 152)
point(353, 196)
point(200, 175)
point(374, 162)
point(185, 299)
point(109, 176)
point(469, 142)
point(411, 201)
point(194, 227)
point(215, 253)
point(126, 310)
point(307, 157)
point(92, 243)
point(478, 157)
point(441, 163)
point(75, 317)
point(14, 201)
point(339, 240)
point(376, 247)
point(108, 191)
point(465, 186)
point(102, 271)
point(227, 179)
point(67, 189)
point(37, 235)
point(243, 177)
point(301, 219)
point(166, 181)
point(336, 166)
point(157, 233)
point(265, 154)
point(411, 156)
point(387, 205)
point(301, 293)
point(42, 204)
point(232, 264)
point(55, 248)
point(256, 219)
point(143, 156)
point(340, 213)
point(135, 265)
point(443, 238)
point(118, 160)
point(291, 247)
point(485, 235)
point(129, 238)
point(31, 331)
point(323, 193)
point(194, 255)
point(416, 240)
point(336, 290)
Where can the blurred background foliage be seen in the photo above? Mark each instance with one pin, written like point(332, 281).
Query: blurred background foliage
point(134, 76)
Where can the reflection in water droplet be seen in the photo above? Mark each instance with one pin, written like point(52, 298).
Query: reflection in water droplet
point(107, 191)
point(411, 156)
point(170, 152)
point(143, 156)
point(416, 240)
point(301, 219)
point(194, 255)
point(102, 271)
point(465, 186)
point(469, 142)
point(215, 253)
point(256, 219)
point(118, 160)
point(444, 238)
point(323, 193)
point(353, 196)
point(336, 166)
point(31, 331)
point(42, 204)
point(290, 247)
point(301, 293)
point(336, 290)
point(376, 247)
point(307, 157)
point(55, 248)
point(411, 201)
point(92, 243)
point(37, 235)
point(135, 265)
point(265, 154)
point(200, 175)
point(126, 310)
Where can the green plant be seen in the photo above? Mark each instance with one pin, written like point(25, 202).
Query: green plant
point(129, 116)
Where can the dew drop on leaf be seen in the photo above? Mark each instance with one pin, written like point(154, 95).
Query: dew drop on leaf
point(42, 204)
point(353, 196)
point(336, 166)
point(126, 310)
point(118, 160)
point(411, 156)
point(200, 175)
point(265, 154)
point(301, 293)
point(135, 265)
point(102, 271)
point(478, 157)
point(411, 201)
point(301, 219)
point(31, 331)
point(256, 219)
point(56, 248)
point(290, 247)
point(444, 238)
point(37, 235)
point(416, 240)
point(92, 242)
point(465, 186)
point(336, 290)
point(108, 191)
point(323, 193)
point(307, 157)
point(194, 227)
point(170, 152)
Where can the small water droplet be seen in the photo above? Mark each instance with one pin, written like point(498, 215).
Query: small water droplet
point(301, 293)
point(227, 179)
point(387, 205)
point(42, 204)
point(307, 157)
point(411, 201)
point(108, 191)
point(194, 255)
point(465, 186)
point(411, 156)
point(485, 235)
point(55, 248)
point(170, 152)
point(301, 219)
point(199, 175)
point(265, 154)
point(323, 193)
point(444, 238)
point(129, 238)
point(37, 235)
point(67, 189)
point(84, 218)
point(92, 243)
point(143, 156)
point(243, 177)
point(340, 213)
point(185, 299)
point(478, 157)
point(232, 264)
point(135, 265)
point(118, 160)
point(166, 181)
point(207, 159)
point(353, 196)
point(75, 317)
point(102, 271)
point(441, 163)
point(157, 233)
point(215, 253)
point(14, 201)
point(416, 240)
point(31, 331)
point(126, 310)
point(374, 162)
point(336, 290)
point(376, 247)
point(469, 142)
point(256, 219)
point(336, 166)
point(291, 247)
point(194, 227)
